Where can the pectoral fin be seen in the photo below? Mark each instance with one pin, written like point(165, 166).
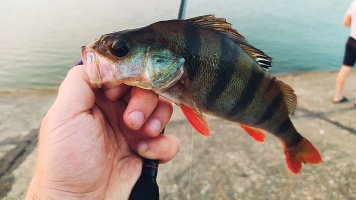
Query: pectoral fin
point(196, 120)
point(256, 133)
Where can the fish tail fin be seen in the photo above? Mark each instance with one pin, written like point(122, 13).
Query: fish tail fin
point(196, 120)
point(256, 133)
point(303, 152)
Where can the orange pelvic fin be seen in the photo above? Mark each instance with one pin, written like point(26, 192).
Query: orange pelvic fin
point(304, 152)
point(256, 133)
point(196, 120)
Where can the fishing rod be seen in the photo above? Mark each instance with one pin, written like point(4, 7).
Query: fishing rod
point(181, 13)
point(146, 186)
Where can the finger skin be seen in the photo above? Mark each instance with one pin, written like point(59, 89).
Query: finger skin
point(159, 118)
point(75, 96)
point(76, 91)
point(162, 147)
point(137, 112)
point(115, 93)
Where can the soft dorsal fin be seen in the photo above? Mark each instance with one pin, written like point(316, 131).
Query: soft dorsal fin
point(289, 97)
point(220, 25)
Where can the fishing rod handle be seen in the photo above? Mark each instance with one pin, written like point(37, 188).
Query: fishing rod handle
point(146, 187)
point(149, 170)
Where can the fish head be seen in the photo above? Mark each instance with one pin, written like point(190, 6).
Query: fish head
point(126, 57)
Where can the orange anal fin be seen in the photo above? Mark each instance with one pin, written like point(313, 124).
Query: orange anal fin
point(196, 120)
point(304, 152)
point(256, 133)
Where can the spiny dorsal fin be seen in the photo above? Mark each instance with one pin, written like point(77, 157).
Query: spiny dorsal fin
point(220, 25)
point(288, 95)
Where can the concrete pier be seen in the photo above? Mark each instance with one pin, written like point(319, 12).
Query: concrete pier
point(228, 165)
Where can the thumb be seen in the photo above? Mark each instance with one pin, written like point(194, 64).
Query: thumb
point(75, 95)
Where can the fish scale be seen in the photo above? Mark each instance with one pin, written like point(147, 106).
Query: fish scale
point(224, 73)
point(204, 66)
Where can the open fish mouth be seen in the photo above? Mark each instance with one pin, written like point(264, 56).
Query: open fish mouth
point(98, 68)
point(103, 71)
point(88, 58)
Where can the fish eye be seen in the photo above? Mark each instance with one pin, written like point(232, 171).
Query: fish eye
point(120, 48)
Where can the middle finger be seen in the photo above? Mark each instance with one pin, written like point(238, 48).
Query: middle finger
point(140, 106)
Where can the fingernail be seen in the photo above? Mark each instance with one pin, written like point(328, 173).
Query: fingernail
point(136, 118)
point(142, 147)
point(154, 125)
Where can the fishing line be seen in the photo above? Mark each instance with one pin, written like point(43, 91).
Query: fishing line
point(181, 15)
point(190, 164)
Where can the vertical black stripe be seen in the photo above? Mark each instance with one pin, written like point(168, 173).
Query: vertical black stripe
point(225, 69)
point(271, 109)
point(288, 134)
point(192, 50)
point(248, 93)
point(284, 126)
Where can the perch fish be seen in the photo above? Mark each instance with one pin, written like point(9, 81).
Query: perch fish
point(203, 65)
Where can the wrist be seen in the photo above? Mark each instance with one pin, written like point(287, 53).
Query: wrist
point(41, 189)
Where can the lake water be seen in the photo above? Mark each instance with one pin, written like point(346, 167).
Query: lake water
point(40, 39)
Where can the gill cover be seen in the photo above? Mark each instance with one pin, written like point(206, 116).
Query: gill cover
point(163, 67)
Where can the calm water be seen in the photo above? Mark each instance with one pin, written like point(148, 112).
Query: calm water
point(40, 39)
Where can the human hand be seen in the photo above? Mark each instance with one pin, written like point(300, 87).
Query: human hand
point(90, 140)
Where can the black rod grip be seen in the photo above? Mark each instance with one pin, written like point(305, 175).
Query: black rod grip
point(146, 188)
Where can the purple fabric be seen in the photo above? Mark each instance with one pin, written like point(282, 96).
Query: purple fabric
point(80, 62)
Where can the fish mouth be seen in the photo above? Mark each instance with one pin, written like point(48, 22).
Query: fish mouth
point(98, 68)
point(103, 72)
point(91, 66)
